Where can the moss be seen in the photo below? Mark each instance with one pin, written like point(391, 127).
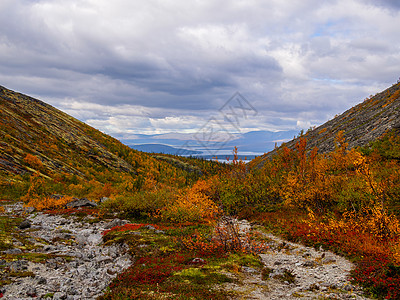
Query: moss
point(265, 273)
point(143, 242)
point(34, 257)
point(287, 276)
point(204, 275)
point(5, 281)
point(49, 295)
point(248, 260)
point(8, 232)
point(22, 274)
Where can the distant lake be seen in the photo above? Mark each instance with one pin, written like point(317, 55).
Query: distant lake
point(226, 155)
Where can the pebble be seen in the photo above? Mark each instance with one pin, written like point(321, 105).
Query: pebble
point(318, 274)
point(84, 277)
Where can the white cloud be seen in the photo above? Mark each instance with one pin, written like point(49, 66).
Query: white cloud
point(134, 66)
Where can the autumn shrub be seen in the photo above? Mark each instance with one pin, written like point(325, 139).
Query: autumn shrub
point(129, 227)
point(140, 204)
point(379, 276)
point(191, 204)
point(203, 244)
point(224, 239)
point(33, 161)
point(350, 195)
point(37, 188)
point(49, 202)
point(240, 189)
point(14, 189)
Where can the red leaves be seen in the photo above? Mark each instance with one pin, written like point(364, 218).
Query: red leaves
point(151, 270)
point(378, 276)
point(376, 269)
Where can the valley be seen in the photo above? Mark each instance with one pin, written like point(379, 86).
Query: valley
point(84, 216)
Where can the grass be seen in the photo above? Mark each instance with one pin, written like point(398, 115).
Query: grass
point(8, 232)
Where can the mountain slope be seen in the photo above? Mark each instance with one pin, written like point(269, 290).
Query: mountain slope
point(61, 143)
point(360, 124)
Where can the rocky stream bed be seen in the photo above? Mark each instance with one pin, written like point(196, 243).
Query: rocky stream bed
point(78, 265)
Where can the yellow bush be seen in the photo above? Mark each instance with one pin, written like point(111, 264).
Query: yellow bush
point(49, 202)
point(192, 204)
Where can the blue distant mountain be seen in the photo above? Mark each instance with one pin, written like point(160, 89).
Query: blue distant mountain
point(249, 143)
point(160, 148)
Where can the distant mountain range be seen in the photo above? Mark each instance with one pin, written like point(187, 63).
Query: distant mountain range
point(165, 149)
point(249, 144)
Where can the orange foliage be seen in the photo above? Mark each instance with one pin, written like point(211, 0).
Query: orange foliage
point(192, 204)
point(33, 161)
point(49, 202)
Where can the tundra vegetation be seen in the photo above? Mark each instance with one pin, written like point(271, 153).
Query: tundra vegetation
point(346, 200)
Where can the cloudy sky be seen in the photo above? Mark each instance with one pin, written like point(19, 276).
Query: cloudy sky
point(129, 67)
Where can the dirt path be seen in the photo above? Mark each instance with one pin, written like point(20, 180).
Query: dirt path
point(293, 271)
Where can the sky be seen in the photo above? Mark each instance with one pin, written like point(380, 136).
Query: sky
point(131, 67)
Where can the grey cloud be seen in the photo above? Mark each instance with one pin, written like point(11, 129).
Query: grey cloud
point(370, 45)
point(296, 61)
point(390, 4)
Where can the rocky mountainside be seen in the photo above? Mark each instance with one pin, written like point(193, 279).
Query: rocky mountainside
point(34, 136)
point(360, 124)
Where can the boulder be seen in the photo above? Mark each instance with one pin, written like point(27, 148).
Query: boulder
point(84, 202)
point(104, 199)
point(24, 224)
point(13, 251)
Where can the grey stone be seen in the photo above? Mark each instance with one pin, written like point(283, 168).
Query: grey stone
point(83, 278)
point(57, 196)
point(59, 296)
point(29, 210)
point(18, 266)
point(113, 223)
point(48, 248)
point(13, 251)
point(31, 291)
point(41, 280)
point(309, 263)
point(197, 261)
point(104, 199)
point(328, 260)
point(149, 227)
point(249, 270)
point(81, 203)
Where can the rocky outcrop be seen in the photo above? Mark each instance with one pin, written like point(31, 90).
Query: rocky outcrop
point(77, 265)
point(84, 202)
